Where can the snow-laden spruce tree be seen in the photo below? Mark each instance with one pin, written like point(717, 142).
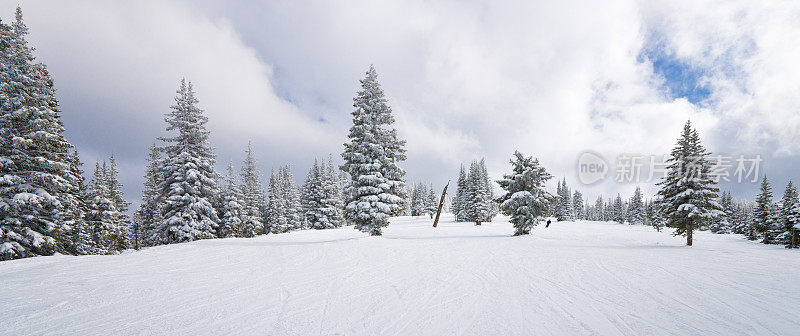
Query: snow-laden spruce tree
point(254, 200)
point(234, 217)
point(494, 209)
point(478, 204)
point(147, 215)
point(275, 221)
point(459, 200)
point(790, 211)
point(332, 201)
point(688, 191)
point(107, 224)
point(38, 185)
point(82, 235)
point(723, 223)
point(372, 158)
point(189, 186)
point(564, 202)
point(766, 222)
point(636, 208)
point(311, 195)
point(599, 209)
point(285, 207)
point(526, 201)
point(578, 206)
point(431, 202)
point(417, 203)
point(618, 210)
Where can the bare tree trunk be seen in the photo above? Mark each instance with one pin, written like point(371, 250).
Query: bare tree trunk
point(689, 232)
point(441, 204)
point(794, 238)
point(477, 223)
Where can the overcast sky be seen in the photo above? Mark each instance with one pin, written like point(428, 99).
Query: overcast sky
point(466, 79)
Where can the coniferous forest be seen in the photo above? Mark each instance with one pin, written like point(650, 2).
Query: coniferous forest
point(49, 205)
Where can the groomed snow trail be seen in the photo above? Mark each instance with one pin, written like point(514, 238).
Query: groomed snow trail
point(582, 278)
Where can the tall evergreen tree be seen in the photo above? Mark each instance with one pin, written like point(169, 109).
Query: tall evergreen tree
point(564, 202)
point(431, 202)
point(253, 201)
point(636, 208)
point(107, 223)
point(371, 158)
point(332, 202)
point(688, 190)
point(189, 186)
point(526, 199)
point(599, 209)
point(459, 202)
point(577, 203)
point(618, 210)
point(478, 204)
point(234, 221)
point(765, 215)
point(38, 183)
point(148, 215)
point(790, 211)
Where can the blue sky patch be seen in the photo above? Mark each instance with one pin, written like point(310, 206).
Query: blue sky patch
point(681, 79)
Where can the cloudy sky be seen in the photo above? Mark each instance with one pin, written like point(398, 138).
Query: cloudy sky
point(466, 79)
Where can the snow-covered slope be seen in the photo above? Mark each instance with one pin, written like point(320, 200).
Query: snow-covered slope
point(579, 278)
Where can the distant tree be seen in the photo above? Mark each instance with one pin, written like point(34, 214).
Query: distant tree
point(148, 215)
point(636, 208)
point(253, 201)
point(478, 204)
point(460, 199)
point(763, 214)
point(790, 211)
point(234, 214)
point(577, 203)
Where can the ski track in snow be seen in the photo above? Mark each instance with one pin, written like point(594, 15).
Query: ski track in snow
point(582, 278)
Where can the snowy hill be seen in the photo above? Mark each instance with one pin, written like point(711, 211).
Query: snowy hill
point(572, 278)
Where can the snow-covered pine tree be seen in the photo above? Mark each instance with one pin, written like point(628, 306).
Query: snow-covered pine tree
point(116, 195)
point(107, 223)
point(332, 202)
point(253, 201)
point(636, 208)
point(599, 209)
point(291, 198)
point(189, 186)
point(657, 220)
point(147, 215)
point(762, 214)
point(431, 202)
point(577, 203)
point(408, 200)
point(618, 210)
point(688, 190)
point(478, 204)
point(276, 212)
point(494, 206)
point(234, 216)
point(526, 200)
point(565, 210)
point(723, 223)
point(81, 230)
point(371, 158)
point(311, 197)
point(459, 202)
point(38, 183)
point(790, 211)
point(418, 195)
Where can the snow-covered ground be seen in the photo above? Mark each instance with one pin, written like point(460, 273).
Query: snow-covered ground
point(584, 278)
